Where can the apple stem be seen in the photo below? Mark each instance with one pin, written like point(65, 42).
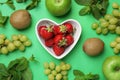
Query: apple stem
point(58, 1)
point(117, 68)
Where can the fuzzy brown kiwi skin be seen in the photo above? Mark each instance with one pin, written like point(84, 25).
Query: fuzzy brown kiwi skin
point(20, 19)
point(93, 46)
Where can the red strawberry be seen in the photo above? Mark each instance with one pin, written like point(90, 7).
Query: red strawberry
point(69, 27)
point(58, 50)
point(45, 32)
point(49, 42)
point(59, 29)
point(69, 39)
point(60, 40)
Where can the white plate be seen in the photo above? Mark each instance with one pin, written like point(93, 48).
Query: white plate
point(48, 22)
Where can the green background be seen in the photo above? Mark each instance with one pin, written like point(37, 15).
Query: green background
point(77, 58)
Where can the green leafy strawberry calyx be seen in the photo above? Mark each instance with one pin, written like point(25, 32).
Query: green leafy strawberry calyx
point(49, 29)
point(62, 42)
point(63, 28)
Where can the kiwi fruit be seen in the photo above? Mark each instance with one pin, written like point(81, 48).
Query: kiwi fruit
point(93, 46)
point(20, 19)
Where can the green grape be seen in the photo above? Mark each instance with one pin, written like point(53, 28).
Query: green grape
point(104, 31)
point(104, 24)
point(17, 43)
point(52, 65)
point(2, 36)
point(4, 50)
point(64, 73)
point(113, 21)
point(7, 41)
point(111, 27)
point(15, 37)
point(117, 39)
point(19, 36)
point(108, 16)
point(1, 41)
point(46, 65)
point(117, 30)
point(11, 47)
point(99, 30)
point(65, 78)
point(113, 44)
point(63, 67)
point(102, 20)
point(50, 77)
point(27, 43)
point(54, 72)
point(115, 5)
point(47, 71)
point(118, 46)
point(58, 76)
point(58, 68)
point(23, 38)
point(21, 47)
point(68, 66)
point(115, 13)
point(62, 63)
point(95, 25)
point(116, 51)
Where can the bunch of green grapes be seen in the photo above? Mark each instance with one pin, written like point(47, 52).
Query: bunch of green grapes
point(4, 44)
point(18, 42)
point(21, 41)
point(116, 45)
point(109, 23)
point(56, 72)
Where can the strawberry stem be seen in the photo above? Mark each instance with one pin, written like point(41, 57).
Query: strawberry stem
point(62, 42)
point(63, 28)
point(49, 29)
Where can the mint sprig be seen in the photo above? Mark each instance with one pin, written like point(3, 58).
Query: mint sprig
point(17, 69)
point(97, 8)
point(79, 75)
point(3, 19)
point(33, 4)
point(9, 3)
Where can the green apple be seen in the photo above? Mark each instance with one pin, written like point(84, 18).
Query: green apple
point(58, 7)
point(111, 68)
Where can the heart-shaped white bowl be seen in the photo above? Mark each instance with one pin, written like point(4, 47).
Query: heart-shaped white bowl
point(48, 22)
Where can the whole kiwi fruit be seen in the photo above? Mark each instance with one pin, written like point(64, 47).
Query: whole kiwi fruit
point(93, 46)
point(20, 19)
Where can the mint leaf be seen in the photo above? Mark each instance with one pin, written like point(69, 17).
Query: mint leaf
point(3, 70)
point(79, 78)
point(15, 75)
point(10, 4)
point(84, 2)
point(33, 4)
point(84, 11)
point(91, 76)
point(3, 19)
point(104, 4)
point(18, 64)
point(27, 74)
point(20, 1)
point(22, 65)
point(78, 73)
point(95, 12)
